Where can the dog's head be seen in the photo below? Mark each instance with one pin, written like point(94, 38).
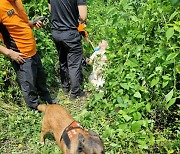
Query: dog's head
point(90, 143)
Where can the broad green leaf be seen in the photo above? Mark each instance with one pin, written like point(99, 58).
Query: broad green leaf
point(127, 118)
point(144, 123)
point(169, 33)
point(169, 95)
point(177, 28)
point(123, 126)
point(159, 68)
point(136, 126)
point(164, 84)
point(171, 56)
point(124, 85)
point(131, 62)
point(154, 82)
point(137, 116)
point(122, 112)
point(171, 102)
point(137, 95)
point(119, 99)
point(166, 77)
point(148, 107)
point(178, 69)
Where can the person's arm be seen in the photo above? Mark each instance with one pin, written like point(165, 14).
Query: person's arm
point(16, 56)
point(82, 13)
point(82, 7)
point(31, 24)
point(24, 16)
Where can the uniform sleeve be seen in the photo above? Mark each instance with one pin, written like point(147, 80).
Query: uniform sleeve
point(81, 2)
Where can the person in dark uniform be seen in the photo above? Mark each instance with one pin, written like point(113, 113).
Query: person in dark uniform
point(17, 35)
point(66, 15)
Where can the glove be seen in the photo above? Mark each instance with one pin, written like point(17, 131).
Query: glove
point(82, 31)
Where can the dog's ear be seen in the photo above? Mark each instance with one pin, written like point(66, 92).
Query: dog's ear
point(81, 142)
point(92, 133)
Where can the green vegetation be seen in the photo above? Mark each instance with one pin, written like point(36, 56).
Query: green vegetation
point(139, 110)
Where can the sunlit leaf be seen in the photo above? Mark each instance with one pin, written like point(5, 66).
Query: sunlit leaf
point(169, 95)
point(177, 28)
point(164, 84)
point(173, 15)
point(137, 95)
point(169, 33)
point(127, 118)
point(148, 107)
point(178, 69)
point(137, 116)
point(154, 82)
point(136, 126)
point(171, 56)
point(124, 85)
point(171, 102)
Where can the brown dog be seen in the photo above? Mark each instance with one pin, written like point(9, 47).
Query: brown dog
point(69, 135)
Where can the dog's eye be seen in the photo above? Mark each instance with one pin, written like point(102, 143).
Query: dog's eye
point(102, 152)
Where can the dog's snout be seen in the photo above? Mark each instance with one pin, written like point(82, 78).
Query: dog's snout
point(102, 152)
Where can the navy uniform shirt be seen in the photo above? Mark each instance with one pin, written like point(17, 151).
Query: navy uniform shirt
point(65, 14)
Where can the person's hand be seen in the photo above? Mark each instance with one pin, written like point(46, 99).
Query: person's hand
point(17, 56)
point(38, 24)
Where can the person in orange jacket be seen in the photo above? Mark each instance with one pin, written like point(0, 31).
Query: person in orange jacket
point(20, 46)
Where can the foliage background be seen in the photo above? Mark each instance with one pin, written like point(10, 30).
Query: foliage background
point(138, 112)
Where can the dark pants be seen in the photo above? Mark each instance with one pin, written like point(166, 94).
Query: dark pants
point(68, 44)
point(32, 81)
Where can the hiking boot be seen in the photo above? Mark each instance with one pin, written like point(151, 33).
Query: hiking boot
point(74, 97)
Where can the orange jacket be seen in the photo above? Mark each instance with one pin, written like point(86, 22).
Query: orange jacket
point(14, 27)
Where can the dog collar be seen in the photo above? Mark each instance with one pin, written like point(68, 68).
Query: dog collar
point(69, 132)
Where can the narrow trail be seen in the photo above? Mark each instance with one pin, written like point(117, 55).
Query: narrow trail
point(74, 107)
